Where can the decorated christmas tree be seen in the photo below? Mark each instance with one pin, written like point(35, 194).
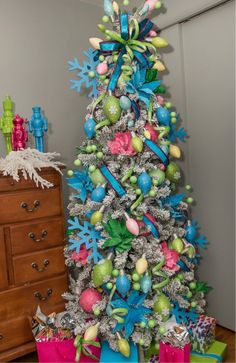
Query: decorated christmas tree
point(132, 247)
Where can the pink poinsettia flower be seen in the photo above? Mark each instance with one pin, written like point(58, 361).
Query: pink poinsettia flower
point(82, 256)
point(121, 144)
point(171, 258)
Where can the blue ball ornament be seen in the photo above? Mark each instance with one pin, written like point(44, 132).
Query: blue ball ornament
point(123, 284)
point(98, 194)
point(144, 182)
point(163, 116)
point(89, 128)
point(146, 284)
point(125, 103)
point(191, 233)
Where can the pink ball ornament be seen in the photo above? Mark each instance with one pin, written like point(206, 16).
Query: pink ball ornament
point(102, 68)
point(152, 33)
point(153, 133)
point(160, 100)
point(89, 298)
point(132, 226)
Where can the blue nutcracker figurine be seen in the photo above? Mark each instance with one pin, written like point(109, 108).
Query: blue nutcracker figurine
point(38, 125)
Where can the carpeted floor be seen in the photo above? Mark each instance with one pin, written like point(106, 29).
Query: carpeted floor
point(222, 334)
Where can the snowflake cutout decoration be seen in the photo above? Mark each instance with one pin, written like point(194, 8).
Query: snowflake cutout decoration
point(87, 236)
point(183, 315)
point(175, 134)
point(84, 75)
point(200, 241)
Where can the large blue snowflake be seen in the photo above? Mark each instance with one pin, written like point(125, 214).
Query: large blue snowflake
point(136, 311)
point(175, 133)
point(194, 237)
point(183, 315)
point(87, 236)
point(83, 73)
point(171, 203)
point(82, 183)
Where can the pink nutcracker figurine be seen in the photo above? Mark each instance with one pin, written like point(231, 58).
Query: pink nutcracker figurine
point(19, 135)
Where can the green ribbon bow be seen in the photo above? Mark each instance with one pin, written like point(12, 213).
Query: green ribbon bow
point(81, 347)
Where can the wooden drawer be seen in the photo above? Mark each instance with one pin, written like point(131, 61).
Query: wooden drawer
point(8, 184)
point(27, 205)
point(25, 299)
point(39, 265)
point(30, 237)
point(14, 333)
point(3, 262)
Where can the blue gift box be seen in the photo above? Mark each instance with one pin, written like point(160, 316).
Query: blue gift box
point(109, 356)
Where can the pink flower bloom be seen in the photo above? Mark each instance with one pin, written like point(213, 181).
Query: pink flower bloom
point(171, 258)
point(82, 256)
point(121, 144)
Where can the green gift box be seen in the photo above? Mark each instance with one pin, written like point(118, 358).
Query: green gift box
point(214, 354)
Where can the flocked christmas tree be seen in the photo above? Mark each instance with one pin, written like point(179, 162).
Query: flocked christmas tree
point(131, 245)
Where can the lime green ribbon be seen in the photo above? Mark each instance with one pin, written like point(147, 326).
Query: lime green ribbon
point(81, 347)
point(156, 271)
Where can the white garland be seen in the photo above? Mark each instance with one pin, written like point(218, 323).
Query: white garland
point(26, 162)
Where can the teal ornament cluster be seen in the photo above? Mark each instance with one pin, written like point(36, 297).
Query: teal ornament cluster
point(163, 116)
point(89, 128)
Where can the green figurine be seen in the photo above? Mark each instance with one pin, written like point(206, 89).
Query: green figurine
point(6, 122)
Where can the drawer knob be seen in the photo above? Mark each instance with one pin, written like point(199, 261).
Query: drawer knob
point(38, 295)
point(25, 206)
point(1, 337)
point(40, 269)
point(40, 239)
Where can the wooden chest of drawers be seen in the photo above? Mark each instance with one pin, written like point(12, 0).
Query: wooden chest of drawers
point(32, 268)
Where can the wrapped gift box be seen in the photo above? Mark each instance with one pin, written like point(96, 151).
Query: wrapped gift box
point(214, 354)
point(108, 355)
point(202, 333)
point(171, 354)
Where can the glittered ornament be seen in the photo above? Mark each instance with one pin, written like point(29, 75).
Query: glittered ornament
point(123, 346)
point(191, 232)
point(98, 194)
point(177, 245)
point(162, 306)
point(96, 217)
point(102, 270)
point(112, 109)
point(91, 333)
point(141, 265)
point(97, 177)
point(159, 42)
point(158, 175)
point(125, 103)
point(163, 116)
point(175, 151)
point(89, 298)
point(144, 182)
point(158, 65)
point(89, 128)
point(137, 144)
point(123, 283)
point(146, 283)
point(173, 172)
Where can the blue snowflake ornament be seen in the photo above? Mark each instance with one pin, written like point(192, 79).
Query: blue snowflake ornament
point(83, 73)
point(87, 235)
point(81, 182)
point(183, 316)
point(175, 133)
point(191, 235)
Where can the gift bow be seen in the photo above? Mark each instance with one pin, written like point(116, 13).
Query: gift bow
point(128, 44)
point(81, 347)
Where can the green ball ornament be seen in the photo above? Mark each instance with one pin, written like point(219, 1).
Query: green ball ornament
point(101, 271)
point(70, 173)
point(99, 155)
point(180, 277)
point(151, 323)
point(177, 245)
point(157, 175)
point(142, 324)
point(112, 109)
point(102, 77)
point(115, 58)
point(91, 74)
point(92, 168)
point(168, 104)
point(193, 304)
point(173, 120)
point(189, 200)
point(173, 114)
point(88, 149)
point(173, 172)
point(192, 285)
point(133, 179)
point(126, 2)
point(152, 193)
point(109, 285)
point(135, 277)
point(162, 330)
point(188, 187)
point(189, 295)
point(157, 346)
point(94, 147)
point(138, 191)
point(106, 81)
point(101, 57)
point(115, 273)
point(97, 177)
point(96, 312)
point(162, 303)
point(141, 342)
point(158, 5)
point(77, 162)
point(105, 19)
point(136, 286)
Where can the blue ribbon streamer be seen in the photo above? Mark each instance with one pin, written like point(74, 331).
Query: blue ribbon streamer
point(183, 266)
point(210, 355)
point(152, 227)
point(158, 151)
point(135, 108)
point(112, 181)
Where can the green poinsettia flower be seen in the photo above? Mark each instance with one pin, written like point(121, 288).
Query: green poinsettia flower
point(120, 238)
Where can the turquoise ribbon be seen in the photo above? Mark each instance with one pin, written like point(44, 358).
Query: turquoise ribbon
point(208, 355)
point(151, 225)
point(158, 151)
point(112, 181)
point(133, 45)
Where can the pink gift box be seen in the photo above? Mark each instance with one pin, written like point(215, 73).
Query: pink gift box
point(171, 354)
point(63, 351)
